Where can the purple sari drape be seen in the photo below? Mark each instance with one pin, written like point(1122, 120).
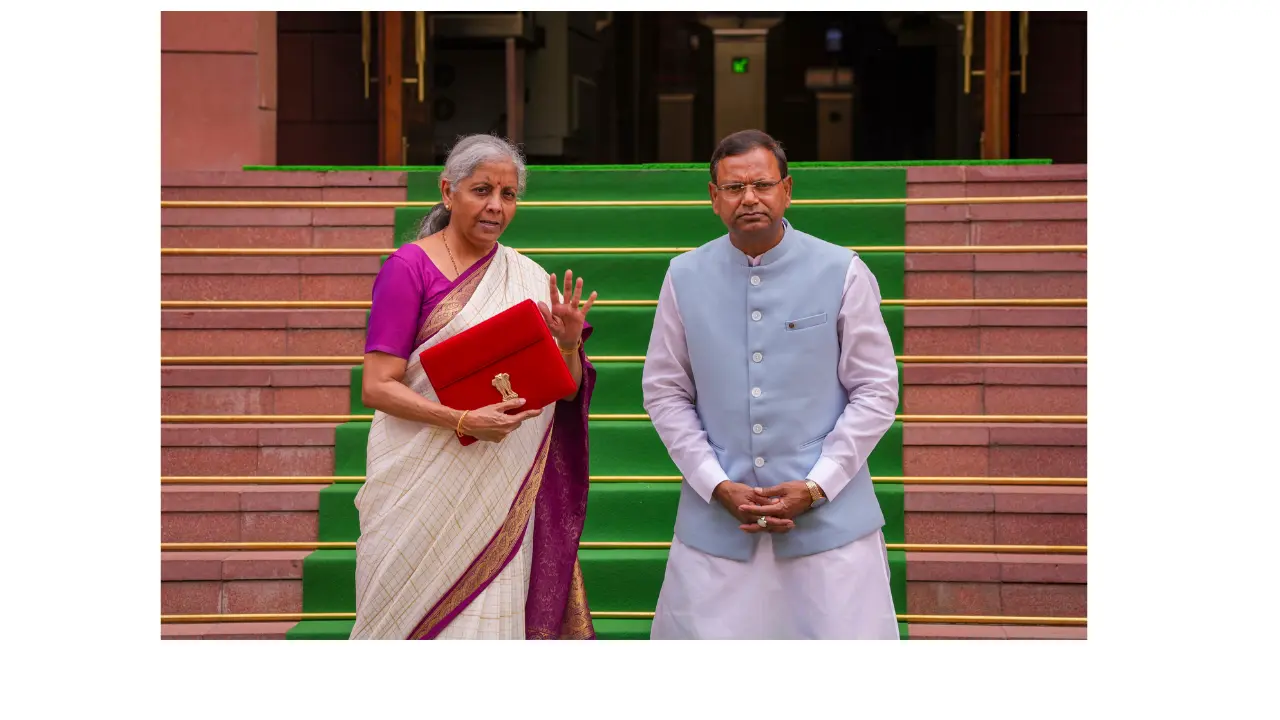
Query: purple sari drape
point(557, 604)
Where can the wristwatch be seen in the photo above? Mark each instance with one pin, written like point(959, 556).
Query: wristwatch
point(815, 493)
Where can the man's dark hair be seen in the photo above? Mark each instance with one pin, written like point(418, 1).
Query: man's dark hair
point(743, 142)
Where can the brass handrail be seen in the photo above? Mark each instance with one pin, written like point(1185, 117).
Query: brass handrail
point(379, 251)
point(906, 547)
point(359, 359)
point(366, 304)
point(325, 419)
point(878, 479)
point(625, 615)
point(390, 204)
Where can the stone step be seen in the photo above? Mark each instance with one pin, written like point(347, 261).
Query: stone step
point(1029, 331)
point(942, 449)
point(995, 389)
point(225, 631)
point(239, 513)
point(916, 631)
point(250, 449)
point(996, 515)
point(281, 217)
point(946, 276)
point(996, 450)
point(275, 236)
point(935, 514)
point(929, 631)
point(231, 582)
point(937, 583)
point(255, 389)
point(238, 182)
point(262, 332)
point(998, 389)
point(1002, 284)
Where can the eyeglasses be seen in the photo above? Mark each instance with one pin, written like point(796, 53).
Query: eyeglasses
point(760, 186)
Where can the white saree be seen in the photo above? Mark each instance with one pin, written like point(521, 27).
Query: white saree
point(438, 519)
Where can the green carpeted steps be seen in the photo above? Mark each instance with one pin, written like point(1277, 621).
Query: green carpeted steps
point(618, 447)
point(685, 227)
point(619, 580)
point(616, 511)
point(325, 629)
point(628, 579)
point(639, 276)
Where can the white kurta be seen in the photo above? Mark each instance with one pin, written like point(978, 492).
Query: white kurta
point(838, 594)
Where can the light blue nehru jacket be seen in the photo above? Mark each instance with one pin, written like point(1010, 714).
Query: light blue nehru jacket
point(764, 354)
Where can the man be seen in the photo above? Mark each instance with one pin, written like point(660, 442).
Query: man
point(770, 377)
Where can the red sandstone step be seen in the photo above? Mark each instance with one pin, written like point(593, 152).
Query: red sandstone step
point(1008, 389)
point(255, 389)
point(262, 332)
point(231, 582)
point(1011, 175)
point(916, 631)
point(972, 263)
point(929, 631)
point(943, 449)
point(239, 513)
point(996, 515)
point(996, 389)
point(257, 236)
point(226, 631)
point(269, 278)
point(248, 449)
point(315, 217)
point(995, 341)
point(962, 231)
point(267, 287)
point(937, 583)
point(341, 332)
point(947, 276)
point(935, 514)
point(205, 180)
point(1024, 284)
point(998, 450)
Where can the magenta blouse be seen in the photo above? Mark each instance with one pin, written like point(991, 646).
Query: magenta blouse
point(407, 289)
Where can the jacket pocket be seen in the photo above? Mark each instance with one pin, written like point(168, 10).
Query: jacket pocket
point(806, 322)
point(814, 441)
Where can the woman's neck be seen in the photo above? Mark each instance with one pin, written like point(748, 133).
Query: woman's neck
point(465, 249)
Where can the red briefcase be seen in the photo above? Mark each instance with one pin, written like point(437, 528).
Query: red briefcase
point(510, 355)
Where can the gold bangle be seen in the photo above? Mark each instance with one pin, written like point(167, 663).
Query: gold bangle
point(572, 350)
point(458, 429)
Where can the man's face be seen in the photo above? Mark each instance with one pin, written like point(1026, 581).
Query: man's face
point(748, 195)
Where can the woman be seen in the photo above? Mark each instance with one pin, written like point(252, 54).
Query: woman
point(478, 541)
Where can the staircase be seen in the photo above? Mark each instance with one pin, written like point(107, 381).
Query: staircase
point(986, 517)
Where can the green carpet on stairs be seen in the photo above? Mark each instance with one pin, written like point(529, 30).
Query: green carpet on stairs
point(630, 579)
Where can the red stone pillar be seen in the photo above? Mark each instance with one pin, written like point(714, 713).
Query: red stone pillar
point(217, 90)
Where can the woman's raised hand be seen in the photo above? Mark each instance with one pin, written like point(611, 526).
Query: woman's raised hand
point(565, 318)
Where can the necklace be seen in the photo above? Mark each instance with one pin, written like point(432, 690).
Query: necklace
point(444, 237)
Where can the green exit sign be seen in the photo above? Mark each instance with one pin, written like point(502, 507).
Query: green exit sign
point(740, 65)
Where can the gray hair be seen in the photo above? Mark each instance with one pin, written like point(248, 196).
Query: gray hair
point(470, 152)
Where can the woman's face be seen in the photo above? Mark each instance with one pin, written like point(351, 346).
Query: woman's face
point(481, 206)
